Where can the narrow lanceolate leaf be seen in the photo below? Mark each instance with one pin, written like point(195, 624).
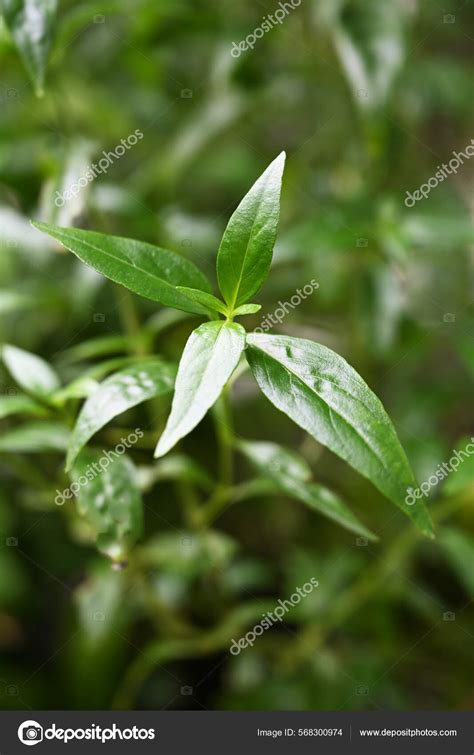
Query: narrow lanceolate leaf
point(20, 405)
point(209, 301)
point(247, 309)
point(145, 269)
point(35, 437)
point(292, 476)
point(209, 359)
point(95, 347)
point(31, 25)
point(325, 502)
point(274, 461)
point(246, 249)
point(110, 501)
point(30, 371)
point(121, 391)
point(323, 394)
point(82, 387)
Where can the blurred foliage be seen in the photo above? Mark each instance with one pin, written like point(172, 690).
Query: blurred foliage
point(368, 98)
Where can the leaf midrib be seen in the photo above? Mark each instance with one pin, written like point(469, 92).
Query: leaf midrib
point(125, 262)
point(250, 236)
point(332, 409)
point(76, 443)
point(206, 369)
point(418, 514)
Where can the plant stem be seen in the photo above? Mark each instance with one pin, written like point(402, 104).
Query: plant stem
point(189, 504)
point(201, 644)
point(215, 504)
point(223, 498)
point(225, 438)
point(130, 321)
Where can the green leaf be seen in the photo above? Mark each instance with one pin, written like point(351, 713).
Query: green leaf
point(208, 360)
point(88, 382)
point(82, 387)
point(145, 269)
point(31, 25)
point(209, 301)
point(246, 249)
point(119, 392)
point(20, 405)
point(35, 437)
point(326, 502)
point(101, 369)
point(325, 396)
point(275, 462)
point(247, 309)
point(110, 501)
point(30, 371)
point(95, 347)
point(292, 476)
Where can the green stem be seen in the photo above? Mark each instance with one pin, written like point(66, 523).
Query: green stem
point(201, 644)
point(223, 498)
point(225, 438)
point(130, 321)
point(216, 503)
point(190, 505)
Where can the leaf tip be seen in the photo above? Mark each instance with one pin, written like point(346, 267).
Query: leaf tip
point(163, 446)
point(426, 526)
point(279, 161)
point(158, 451)
point(38, 225)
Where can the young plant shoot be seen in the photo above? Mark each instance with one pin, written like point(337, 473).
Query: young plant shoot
point(314, 386)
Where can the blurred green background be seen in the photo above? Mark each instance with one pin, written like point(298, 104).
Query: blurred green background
point(368, 97)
